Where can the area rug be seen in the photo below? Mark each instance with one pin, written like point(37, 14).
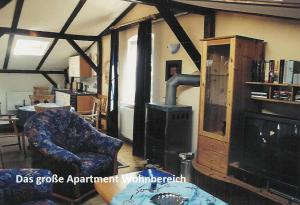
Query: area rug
point(122, 165)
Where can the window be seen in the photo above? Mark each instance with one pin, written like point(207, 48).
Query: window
point(128, 85)
point(30, 47)
point(127, 96)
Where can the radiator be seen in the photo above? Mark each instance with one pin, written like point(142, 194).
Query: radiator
point(14, 99)
point(126, 121)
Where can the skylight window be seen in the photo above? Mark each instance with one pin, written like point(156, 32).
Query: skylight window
point(30, 47)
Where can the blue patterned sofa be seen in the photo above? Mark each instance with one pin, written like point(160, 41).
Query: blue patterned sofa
point(24, 193)
point(67, 145)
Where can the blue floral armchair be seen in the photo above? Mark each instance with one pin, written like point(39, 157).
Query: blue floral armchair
point(67, 145)
point(14, 192)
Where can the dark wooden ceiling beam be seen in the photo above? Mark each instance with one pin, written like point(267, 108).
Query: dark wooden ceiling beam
point(50, 79)
point(17, 13)
point(3, 3)
point(47, 53)
point(100, 60)
point(83, 55)
point(63, 30)
point(117, 20)
point(179, 32)
point(209, 25)
point(197, 9)
point(47, 34)
point(266, 3)
point(177, 5)
point(62, 72)
point(190, 8)
point(66, 76)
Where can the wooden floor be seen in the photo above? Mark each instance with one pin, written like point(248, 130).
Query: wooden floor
point(13, 158)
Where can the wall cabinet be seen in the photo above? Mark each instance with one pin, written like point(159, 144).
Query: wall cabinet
point(78, 67)
point(226, 65)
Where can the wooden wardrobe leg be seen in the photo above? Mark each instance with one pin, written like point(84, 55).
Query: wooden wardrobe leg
point(24, 144)
point(19, 142)
point(1, 158)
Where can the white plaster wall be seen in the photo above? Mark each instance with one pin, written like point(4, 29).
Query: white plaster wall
point(281, 35)
point(23, 83)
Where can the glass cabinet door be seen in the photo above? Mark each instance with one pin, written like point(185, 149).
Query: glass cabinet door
point(216, 83)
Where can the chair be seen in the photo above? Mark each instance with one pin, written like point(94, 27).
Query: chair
point(66, 144)
point(41, 95)
point(9, 122)
point(43, 108)
point(98, 112)
point(103, 112)
point(36, 99)
point(12, 192)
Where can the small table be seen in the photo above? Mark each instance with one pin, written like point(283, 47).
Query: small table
point(108, 190)
point(10, 121)
point(26, 112)
point(23, 114)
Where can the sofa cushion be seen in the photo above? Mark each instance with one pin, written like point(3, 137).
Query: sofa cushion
point(41, 202)
point(94, 163)
point(15, 192)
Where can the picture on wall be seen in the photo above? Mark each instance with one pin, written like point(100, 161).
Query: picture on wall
point(173, 67)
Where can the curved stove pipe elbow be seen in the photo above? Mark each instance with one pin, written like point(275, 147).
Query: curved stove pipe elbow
point(175, 81)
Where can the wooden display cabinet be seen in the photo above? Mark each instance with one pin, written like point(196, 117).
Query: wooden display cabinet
point(226, 66)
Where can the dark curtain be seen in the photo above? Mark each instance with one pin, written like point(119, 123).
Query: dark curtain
point(112, 111)
point(143, 85)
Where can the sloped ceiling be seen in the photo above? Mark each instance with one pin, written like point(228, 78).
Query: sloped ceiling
point(287, 9)
point(24, 62)
point(96, 15)
point(46, 15)
point(51, 15)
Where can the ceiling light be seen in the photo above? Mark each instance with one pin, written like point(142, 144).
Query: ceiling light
point(30, 47)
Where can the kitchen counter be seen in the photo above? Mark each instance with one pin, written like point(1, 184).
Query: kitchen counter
point(70, 92)
point(81, 101)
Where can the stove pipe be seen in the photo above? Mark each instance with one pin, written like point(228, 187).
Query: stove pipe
point(175, 81)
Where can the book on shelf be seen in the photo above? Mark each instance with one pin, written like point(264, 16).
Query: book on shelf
point(297, 96)
point(271, 71)
point(282, 95)
point(262, 95)
point(259, 93)
point(266, 67)
point(276, 72)
point(257, 71)
point(291, 73)
point(296, 72)
point(259, 96)
point(281, 70)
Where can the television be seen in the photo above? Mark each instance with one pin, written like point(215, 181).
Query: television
point(271, 149)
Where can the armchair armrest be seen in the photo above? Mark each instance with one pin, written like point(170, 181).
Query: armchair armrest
point(88, 112)
point(7, 115)
point(103, 143)
point(14, 119)
point(49, 149)
point(15, 189)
